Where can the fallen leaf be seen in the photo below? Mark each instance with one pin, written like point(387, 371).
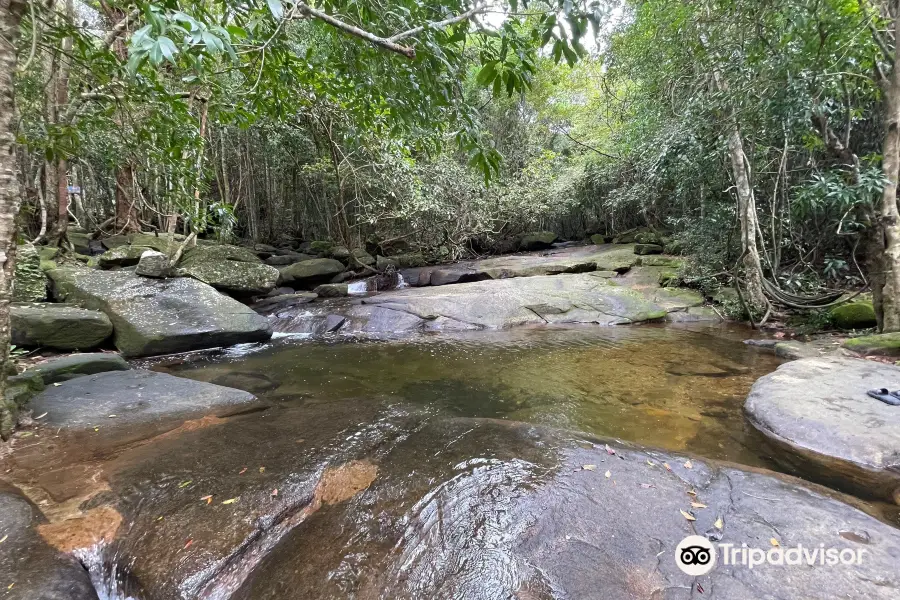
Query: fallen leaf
point(608, 474)
point(207, 498)
point(719, 524)
point(184, 484)
point(609, 450)
point(188, 545)
point(666, 465)
point(111, 416)
point(774, 542)
point(11, 585)
point(275, 492)
point(96, 429)
point(698, 505)
point(688, 515)
point(40, 417)
point(262, 469)
point(692, 492)
point(229, 501)
point(647, 485)
point(3, 539)
point(688, 465)
point(244, 470)
point(588, 467)
point(57, 384)
point(159, 518)
point(651, 463)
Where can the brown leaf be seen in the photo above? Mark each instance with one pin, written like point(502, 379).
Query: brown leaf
point(774, 542)
point(692, 492)
point(188, 545)
point(688, 465)
point(666, 465)
point(719, 524)
point(687, 515)
point(588, 467)
point(244, 470)
point(207, 498)
point(698, 505)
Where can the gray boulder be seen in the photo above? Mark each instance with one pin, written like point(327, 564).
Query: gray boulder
point(140, 402)
point(816, 412)
point(232, 269)
point(30, 569)
point(361, 257)
point(153, 264)
point(282, 260)
point(538, 240)
point(153, 316)
point(78, 365)
point(332, 290)
point(642, 249)
point(310, 271)
point(121, 256)
point(58, 326)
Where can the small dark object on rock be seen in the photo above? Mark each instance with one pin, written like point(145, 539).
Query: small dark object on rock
point(892, 398)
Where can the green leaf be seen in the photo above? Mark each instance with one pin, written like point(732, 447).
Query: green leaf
point(557, 51)
point(487, 74)
point(276, 8)
point(167, 47)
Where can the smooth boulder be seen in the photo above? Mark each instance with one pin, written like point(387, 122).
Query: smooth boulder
point(854, 315)
point(161, 316)
point(124, 405)
point(538, 240)
point(58, 326)
point(817, 413)
point(153, 264)
point(311, 271)
point(69, 367)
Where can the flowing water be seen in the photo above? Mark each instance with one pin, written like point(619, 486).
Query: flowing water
point(677, 388)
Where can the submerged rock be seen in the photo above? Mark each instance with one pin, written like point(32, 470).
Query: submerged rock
point(817, 413)
point(78, 365)
point(153, 316)
point(30, 569)
point(58, 326)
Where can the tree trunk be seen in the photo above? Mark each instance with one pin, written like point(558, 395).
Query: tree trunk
point(747, 213)
point(10, 18)
point(889, 224)
point(62, 100)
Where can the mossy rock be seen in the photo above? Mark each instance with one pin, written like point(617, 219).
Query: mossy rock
point(218, 253)
point(668, 278)
point(382, 262)
point(321, 247)
point(360, 256)
point(231, 269)
point(599, 239)
point(642, 249)
point(310, 271)
point(340, 253)
point(883, 344)
point(48, 265)
point(854, 315)
point(30, 283)
point(332, 290)
point(58, 326)
point(48, 252)
point(537, 240)
point(648, 237)
point(160, 243)
point(81, 242)
point(661, 261)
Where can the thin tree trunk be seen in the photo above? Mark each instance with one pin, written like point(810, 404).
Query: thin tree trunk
point(10, 18)
point(62, 165)
point(890, 217)
point(747, 214)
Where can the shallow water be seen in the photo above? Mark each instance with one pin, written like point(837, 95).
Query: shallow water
point(677, 388)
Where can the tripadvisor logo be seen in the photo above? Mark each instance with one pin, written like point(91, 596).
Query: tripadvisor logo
point(696, 555)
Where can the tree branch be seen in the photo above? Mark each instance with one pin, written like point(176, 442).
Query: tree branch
point(116, 31)
point(386, 43)
point(438, 24)
point(580, 143)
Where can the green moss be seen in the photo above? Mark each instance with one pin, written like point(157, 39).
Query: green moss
point(30, 283)
point(598, 239)
point(321, 247)
point(884, 344)
point(854, 315)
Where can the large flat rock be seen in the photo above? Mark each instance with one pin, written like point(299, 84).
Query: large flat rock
point(30, 569)
point(161, 316)
point(817, 412)
point(58, 326)
point(346, 499)
point(491, 304)
point(133, 404)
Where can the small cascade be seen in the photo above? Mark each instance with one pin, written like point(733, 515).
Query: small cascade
point(358, 288)
point(104, 575)
point(401, 283)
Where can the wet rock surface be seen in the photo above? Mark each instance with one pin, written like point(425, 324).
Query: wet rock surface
point(121, 403)
point(30, 569)
point(391, 503)
point(817, 412)
point(160, 316)
point(58, 326)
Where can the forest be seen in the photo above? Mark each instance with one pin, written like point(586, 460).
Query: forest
point(760, 137)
